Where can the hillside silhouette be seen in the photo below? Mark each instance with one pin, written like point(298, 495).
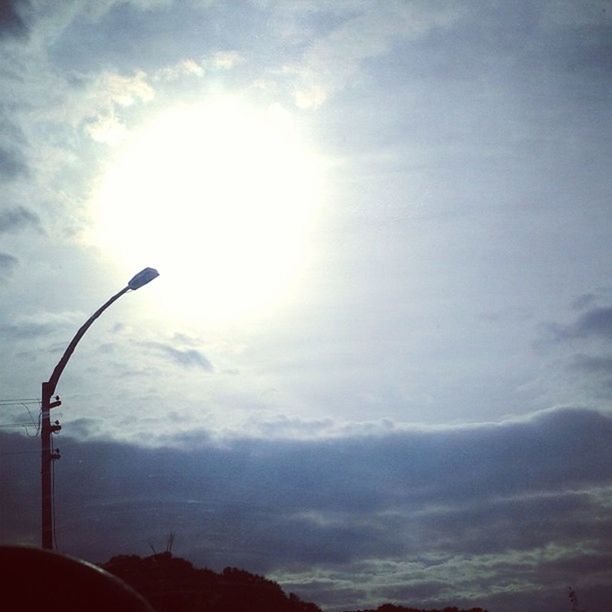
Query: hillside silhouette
point(394, 608)
point(172, 584)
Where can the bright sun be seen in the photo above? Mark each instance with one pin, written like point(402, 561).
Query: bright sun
point(220, 197)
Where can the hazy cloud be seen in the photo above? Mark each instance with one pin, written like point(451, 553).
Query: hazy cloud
point(186, 67)
point(7, 264)
point(226, 60)
point(597, 369)
point(12, 164)
point(594, 364)
point(26, 330)
point(183, 357)
point(594, 323)
point(39, 324)
point(586, 300)
point(18, 218)
point(334, 60)
point(580, 363)
point(105, 99)
point(12, 22)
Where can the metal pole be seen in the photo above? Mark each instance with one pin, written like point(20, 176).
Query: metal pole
point(46, 459)
point(48, 389)
point(45, 471)
point(47, 429)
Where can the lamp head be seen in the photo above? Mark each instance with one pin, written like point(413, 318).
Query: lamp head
point(142, 278)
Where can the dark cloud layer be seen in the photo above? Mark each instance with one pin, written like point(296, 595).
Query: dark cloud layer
point(507, 494)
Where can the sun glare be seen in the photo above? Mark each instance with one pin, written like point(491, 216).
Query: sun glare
point(220, 196)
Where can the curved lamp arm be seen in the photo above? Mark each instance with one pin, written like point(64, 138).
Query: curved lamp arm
point(142, 278)
point(47, 456)
point(61, 364)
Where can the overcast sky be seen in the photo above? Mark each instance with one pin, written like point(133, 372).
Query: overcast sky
point(376, 364)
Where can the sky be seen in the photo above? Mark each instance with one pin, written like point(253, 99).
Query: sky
point(376, 363)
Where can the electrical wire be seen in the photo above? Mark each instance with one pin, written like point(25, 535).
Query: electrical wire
point(32, 452)
point(23, 402)
point(33, 422)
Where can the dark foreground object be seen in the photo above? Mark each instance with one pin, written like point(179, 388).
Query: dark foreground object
point(394, 608)
point(172, 584)
point(37, 579)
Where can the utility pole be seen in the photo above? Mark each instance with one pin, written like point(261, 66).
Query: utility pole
point(48, 389)
point(46, 461)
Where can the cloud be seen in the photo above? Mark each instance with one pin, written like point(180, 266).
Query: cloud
point(596, 322)
point(586, 300)
point(568, 13)
point(18, 218)
point(593, 364)
point(182, 357)
point(104, 100)
point(12, 164)
point(189, 67)
point(12, 22)
point(433, 517)
point(334, 60)
point(282, 426)
point(25, 330)
point(598, 372)
point(580, 367)
point(226, 60)
point(7, 264)
point(186, 67)
point(39, 324)
point(121, 90)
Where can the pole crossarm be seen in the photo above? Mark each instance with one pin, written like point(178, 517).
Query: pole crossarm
point(61, 364)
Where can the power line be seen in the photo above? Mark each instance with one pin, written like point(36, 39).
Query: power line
point(9, 454)
point(32, 423)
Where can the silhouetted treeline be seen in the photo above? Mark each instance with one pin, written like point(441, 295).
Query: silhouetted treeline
point(394, 608)
point(172, 584)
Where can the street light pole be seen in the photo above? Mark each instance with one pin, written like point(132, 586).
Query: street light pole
point(48, 389)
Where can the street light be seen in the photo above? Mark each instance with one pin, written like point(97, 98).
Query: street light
point(48, 389)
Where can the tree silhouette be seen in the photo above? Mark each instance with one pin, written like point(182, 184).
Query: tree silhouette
point(172, 584)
